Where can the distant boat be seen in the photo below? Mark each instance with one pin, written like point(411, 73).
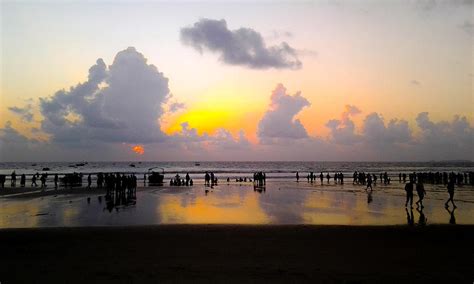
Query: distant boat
point(80, 164)
point(197, 164)
point(45, 169)
point(33, 165)
point(132, 165)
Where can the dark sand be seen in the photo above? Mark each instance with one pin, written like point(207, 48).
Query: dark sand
point(236, 253)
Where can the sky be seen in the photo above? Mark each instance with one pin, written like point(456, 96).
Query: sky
point(237, 80)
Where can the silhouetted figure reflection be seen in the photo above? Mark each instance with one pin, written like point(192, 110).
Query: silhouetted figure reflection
point(369, 197)
point(409, 192)
point(452, 218)
point(422, 220)
point(410, 217)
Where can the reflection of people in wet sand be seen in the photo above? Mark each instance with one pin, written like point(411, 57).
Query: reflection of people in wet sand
point(451, 194)
point(410, 217)
point(422, 219)
point(420, 190)
point(452, 218)
point(369, 196)
point(409, 191)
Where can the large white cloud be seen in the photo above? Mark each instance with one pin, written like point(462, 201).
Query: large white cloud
point(121, 103)
point(243, 46)
point(279, 121)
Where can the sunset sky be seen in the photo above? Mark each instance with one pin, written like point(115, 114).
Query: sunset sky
point(240, 80)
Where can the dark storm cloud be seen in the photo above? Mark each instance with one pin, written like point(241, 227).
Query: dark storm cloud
point(278, 121)
point(121, 103)
point(243, 46)
point(24, 113)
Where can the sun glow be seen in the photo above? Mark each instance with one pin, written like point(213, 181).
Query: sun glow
point(138, 149)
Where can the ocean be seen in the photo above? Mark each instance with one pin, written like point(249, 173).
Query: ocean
point(273, 170)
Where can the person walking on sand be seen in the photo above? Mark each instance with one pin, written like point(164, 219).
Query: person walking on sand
point(420, 190)
point(297, 177)
point(451, 194)
point(33, 181)
point(409, 191)
point(369, 182)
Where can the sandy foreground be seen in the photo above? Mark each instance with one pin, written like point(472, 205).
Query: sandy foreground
point(238, 253)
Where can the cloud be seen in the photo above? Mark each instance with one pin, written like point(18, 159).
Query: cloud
point(468, 27)
point(444, 138)
point(24, 113)
point(13, 145)
point(278, 121)
point(376, 133)
point(176, 106)
point(121, 103)
point(343, 130)
point(243, 46)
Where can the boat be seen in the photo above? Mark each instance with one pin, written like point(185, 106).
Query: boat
point(132, 165)
point(197, 164)
point(46, 169)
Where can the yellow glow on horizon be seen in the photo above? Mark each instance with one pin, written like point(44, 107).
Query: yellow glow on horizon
point(221, 107)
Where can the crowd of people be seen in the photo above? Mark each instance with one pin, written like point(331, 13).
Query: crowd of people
point(178, 181)
point(210, 179)
point(122, 183)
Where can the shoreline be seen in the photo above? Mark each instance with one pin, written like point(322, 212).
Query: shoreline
point(238, 253)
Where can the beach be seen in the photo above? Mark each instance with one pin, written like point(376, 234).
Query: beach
point(238, 253)
point(283, 231)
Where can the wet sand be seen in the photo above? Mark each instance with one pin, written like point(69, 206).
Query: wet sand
point(283, 202)
point(238, 253)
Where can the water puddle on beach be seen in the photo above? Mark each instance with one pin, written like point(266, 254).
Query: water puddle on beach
point(280, 203)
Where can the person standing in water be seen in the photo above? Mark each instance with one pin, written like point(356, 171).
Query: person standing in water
point(420, 190)
point(297, 177)
point(451, 194)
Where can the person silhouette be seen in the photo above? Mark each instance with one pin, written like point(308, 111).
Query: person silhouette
point(89, 181)
point(420, 190)
point(409, 192)
point(33, 181)
point(297, 177)
point(369, 182)
point(56, 178)
point(452, 218)
point(23, 180)
point(451, 194)
point(13, 179)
